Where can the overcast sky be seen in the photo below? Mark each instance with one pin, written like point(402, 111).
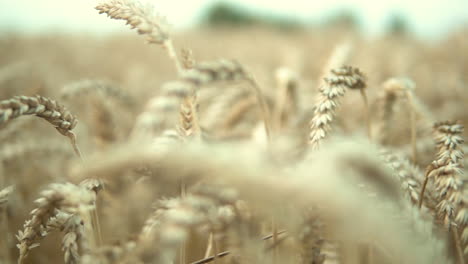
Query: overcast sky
point(426, 17)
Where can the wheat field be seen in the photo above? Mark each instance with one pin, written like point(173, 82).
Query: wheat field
point(232, 145)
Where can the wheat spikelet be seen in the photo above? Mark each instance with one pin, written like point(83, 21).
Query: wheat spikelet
point(73, 239)
point(189, 126)
point(67, 197)
point(187, 58)
point(327, 101)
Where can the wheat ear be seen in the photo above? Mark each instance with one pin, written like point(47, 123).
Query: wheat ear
point(446, 171)
point(392, 88)
point(172, 220)
point(144, 19)
point(228, 70)
point(334, 87)
point(42, 107)
point(66, 197)
point(74, 240)
point(86, 87)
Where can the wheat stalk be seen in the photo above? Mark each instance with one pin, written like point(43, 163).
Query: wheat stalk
point(286, 99)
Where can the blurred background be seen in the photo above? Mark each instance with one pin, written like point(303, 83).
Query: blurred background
point(426, 18)
point(49, 45)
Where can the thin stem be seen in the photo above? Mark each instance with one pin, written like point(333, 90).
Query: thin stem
point(5, 252)
point(216, 250)
point(96, 225)
point(271, 235)
point(370, 254)
point(366, 112)
point(183, 253)
point(275, 244)
point(225, 253)
point(209, 246)
point(275, 240)
point(423, 189)
point(72, 138)
point(169, 46)
point(456, 237)
point(211, 258)
point(414, 153)
point(263, 107)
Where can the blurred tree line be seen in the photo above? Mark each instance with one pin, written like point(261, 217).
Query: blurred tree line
point(227, 14)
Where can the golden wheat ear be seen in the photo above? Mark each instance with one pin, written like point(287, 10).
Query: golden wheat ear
point(66, 197)
point(45, 108)
point(144, 19)
point(446, 172)
point(327, 101)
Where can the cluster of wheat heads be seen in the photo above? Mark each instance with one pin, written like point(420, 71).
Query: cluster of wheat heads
point(235, 175)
